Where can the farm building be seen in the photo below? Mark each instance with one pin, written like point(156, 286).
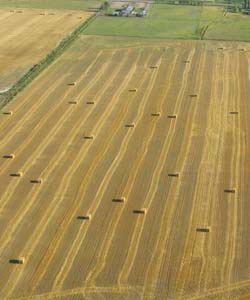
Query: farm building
point(127, 10)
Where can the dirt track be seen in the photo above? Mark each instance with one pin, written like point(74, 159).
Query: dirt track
point(118, 254)
point(27, 35)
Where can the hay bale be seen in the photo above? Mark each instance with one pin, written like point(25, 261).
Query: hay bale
point(156, 114)
point(87, 217)
point(88, 137)
point(9, 156)
point(230, 191)
point(73, 102)
point(17, 174)
point(153, 67)
point(173, 174)
point(172, 116)
point(9, 113)
point(193, 95)
point(203, 229)
point(37, 181)
point(72, 83)
point(90, 102)
point(233, 112)
point(42, 14)
point(187, 61)
point(18, 261)
point(220, 48)
point(132, 125)
point(133, 90)
point(141, 211)
point(20, 11)
point(119, 200)
point(12, 11)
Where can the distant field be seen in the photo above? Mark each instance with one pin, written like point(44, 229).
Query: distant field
point(53, 4)
point(28, 35)
point(231, 27)
point(176, 148)
point(176, 22)
point(163, 21)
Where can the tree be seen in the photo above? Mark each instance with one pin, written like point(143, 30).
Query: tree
point(105, 5)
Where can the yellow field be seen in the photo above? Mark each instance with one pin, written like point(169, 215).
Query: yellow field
point(187, 166)
point(27, 35)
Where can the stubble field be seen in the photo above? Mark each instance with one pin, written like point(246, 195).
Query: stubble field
point(176, 148)
point(27, 35)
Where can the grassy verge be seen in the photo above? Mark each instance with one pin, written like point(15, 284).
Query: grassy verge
point(44, 63)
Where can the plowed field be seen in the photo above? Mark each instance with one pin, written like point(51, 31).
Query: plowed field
point(176, 148)
point(27, 35)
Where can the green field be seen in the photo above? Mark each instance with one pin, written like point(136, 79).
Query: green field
point(176, 22)
point(234, 27)
point(52, 4)
point(163, 21)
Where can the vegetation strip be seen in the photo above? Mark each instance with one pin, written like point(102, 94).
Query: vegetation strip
point(43, 64)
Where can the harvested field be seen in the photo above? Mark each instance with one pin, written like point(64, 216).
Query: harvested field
point(133, 213)
point(24, 38)
point(55, 4)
